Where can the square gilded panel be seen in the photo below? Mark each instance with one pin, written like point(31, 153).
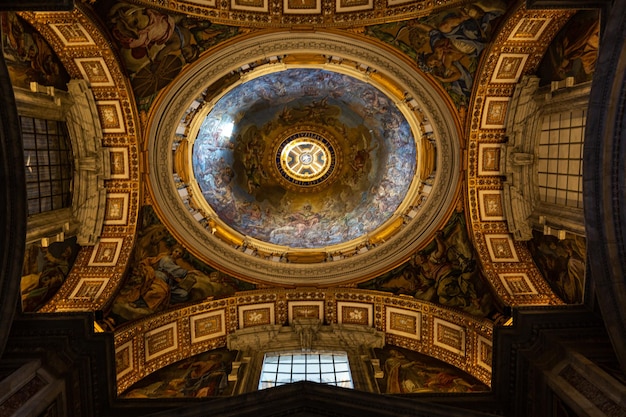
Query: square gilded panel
point(207, 326)
point(72, 34)
point(449, 336)
point(110, 113)
point(509, 68)
point(517, 283)
point(119, 163)
point(490, 203)
point(489, 159)
point(116, 212)
point(256, 315)
point(529, 29)
point(485, 353)
point(210, 3)
point(302, 6)
point(160, 341)
point(353, 5)
point(403, 322)
point(106, 252)
point(89, 288)
point(249, 5)
point(355, 313)
point(501, 248)
point(494, 112)
point(306, 310)
point(124, 362)
point(95, 71)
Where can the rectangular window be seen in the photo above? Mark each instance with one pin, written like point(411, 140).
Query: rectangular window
point(287, 367)
point(48, 159)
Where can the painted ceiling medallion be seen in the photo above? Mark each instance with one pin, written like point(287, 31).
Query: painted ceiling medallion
point(305, 159)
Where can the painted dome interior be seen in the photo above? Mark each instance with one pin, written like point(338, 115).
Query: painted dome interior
point(249, 158)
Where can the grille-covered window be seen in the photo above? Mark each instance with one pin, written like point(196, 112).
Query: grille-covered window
point(48, 158)
point(282, 368)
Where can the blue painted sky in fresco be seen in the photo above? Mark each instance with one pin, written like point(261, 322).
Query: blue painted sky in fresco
point(231, 148)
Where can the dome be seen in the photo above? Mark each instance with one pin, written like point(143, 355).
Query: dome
point(305, 167)
point(303, 158)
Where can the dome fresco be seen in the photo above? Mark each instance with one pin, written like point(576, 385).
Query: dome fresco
point(304, 158)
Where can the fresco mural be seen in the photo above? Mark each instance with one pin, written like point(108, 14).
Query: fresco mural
point(155, 46)
point(28, 55)
point(203, 375)
point(163, 273)
point(406, 371)
point(445, 272)
point(562, 263)
point(574, 50)
point(233, 161)
point(44, 271)
point(446, 45)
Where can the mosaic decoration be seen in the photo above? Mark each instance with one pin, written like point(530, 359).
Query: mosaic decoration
point(29, 57)
point(163, 273)
point(236, 158)
point(445, 273)
point(574, 50)
point(446, 45)
point(406, 371)
point(44, 271)
point(203, 375)
point(562, 263)
point(155, 46)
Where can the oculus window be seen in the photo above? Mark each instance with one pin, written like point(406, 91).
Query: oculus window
point(282, 368)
